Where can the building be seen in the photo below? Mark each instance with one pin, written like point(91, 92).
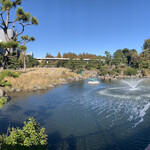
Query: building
point(11, 34)
point(30, 54)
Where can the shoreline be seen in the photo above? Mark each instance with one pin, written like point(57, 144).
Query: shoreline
point(41, 79)
point(35, 79)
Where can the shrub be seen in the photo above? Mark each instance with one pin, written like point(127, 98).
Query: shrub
point(30, 137)
point(130, 71)
point(104, 72)
point(8, 73)
point(3, 100)
point(112, 72)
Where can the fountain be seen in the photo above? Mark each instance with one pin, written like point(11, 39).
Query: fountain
point(133, 83)
point(131, 96)
point(127, 89)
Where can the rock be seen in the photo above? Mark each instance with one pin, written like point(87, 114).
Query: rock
point(2, 92)
point(50, 85)
point(18, 90)
point(35, 87)
point(70, 78)
point(62, 80)
point(11, 90)
point(8, 98)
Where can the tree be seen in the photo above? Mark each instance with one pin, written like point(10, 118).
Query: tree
point(80, 64)
point(71, 64)
point(58, 55)
point(48, 55)
point(32, 62)
point(118, 57)
point(146, 46)
point(24, 41)
point(22, 18)
point(108, 57)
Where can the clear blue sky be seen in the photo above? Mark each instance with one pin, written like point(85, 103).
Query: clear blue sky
point(91, 26)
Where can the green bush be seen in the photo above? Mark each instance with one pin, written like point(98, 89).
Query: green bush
point(8, 73)
point(130, 71)
point(104, 72)
point(112, 72)
point(3, 100)
point(30, 137)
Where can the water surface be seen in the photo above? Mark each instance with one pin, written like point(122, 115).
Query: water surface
point(79, 116)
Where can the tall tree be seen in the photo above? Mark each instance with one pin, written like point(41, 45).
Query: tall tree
point(146, 47)
point(118, 57)
point(58, 55)
point(108, 57)
point(24, 40)
point(22, 18)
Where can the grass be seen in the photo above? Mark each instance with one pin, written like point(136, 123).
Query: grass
point(41, 77)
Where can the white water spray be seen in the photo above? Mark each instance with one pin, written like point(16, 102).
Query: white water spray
point(133, 83)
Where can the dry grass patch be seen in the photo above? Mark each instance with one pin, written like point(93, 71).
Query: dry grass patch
point(39, 77)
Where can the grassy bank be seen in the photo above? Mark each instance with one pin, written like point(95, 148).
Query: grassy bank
point(39, 78)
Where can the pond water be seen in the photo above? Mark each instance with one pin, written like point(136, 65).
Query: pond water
point(79, 116)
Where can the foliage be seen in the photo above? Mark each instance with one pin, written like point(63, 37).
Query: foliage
point(130, 71)
point(12, 62)
point(112, 72)
point(61, 63)
point(6, 73)
point(71, 64)
point(48, 55)
point(108, 57)
point(9, 44)
point(32, 62)
point(58, 55)
point(104, 72)
point(30, 137)
point(22, 18)
point(3, 100)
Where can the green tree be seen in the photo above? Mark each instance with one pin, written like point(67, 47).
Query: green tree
point(31, 62)
point(118, 57)
point(24, 40)
point(108, 57)
point(146, 46)
point(24, 19)
point(71, 64)
point(80, 64)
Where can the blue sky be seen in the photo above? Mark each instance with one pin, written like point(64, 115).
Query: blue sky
point(91, 26)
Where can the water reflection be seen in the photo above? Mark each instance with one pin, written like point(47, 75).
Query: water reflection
point(77, 116)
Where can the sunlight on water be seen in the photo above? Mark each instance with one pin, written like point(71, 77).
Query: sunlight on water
point(133, 99)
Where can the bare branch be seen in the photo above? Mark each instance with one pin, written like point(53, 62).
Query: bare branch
point(1, 53)
point(3, 18)
point(23, 26)
point(21, 31)
point(1, 27)
point(27, 24)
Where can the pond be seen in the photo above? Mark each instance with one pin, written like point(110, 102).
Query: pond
point(79, 116)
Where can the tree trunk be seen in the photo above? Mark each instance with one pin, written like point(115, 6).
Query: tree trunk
point(4, 63)
point(24, 61)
